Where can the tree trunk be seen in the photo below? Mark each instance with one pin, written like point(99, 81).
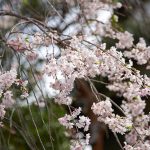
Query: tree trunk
point(86, 98)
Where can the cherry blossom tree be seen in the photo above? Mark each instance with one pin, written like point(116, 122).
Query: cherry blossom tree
point(76, 55)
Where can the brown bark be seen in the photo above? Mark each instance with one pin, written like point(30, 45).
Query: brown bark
point(85, 96)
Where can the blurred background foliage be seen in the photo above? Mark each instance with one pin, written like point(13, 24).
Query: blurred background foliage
point(21, 125)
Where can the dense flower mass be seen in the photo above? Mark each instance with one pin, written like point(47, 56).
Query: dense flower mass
point(82, 62)
point(71, 121)
point(116, 123)
point(103, 108)
point(7, 80)
point(125, 40)
point(83, 59)
point(2, 111)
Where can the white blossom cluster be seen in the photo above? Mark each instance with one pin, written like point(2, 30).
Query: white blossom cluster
point(81, 122)
point(7, 79)
point(140, 52)
point(105, 114)
point(81, 62)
